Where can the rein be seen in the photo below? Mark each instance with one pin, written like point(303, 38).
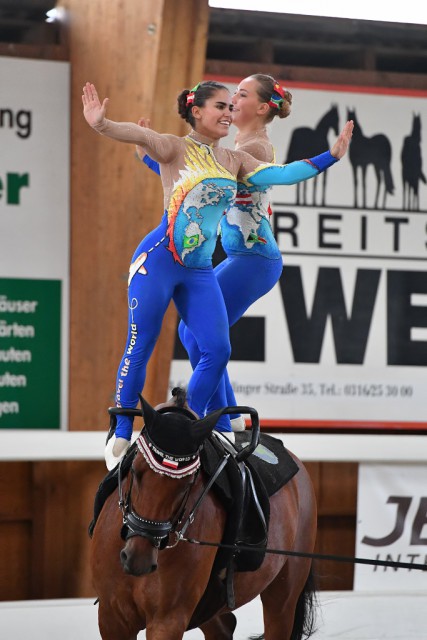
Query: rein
point(180, 534)
point(313, 556)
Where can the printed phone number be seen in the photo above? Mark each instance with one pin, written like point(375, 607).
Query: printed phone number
point(322, 389)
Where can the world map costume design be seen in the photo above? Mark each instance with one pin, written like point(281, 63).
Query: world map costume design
point(254, 262)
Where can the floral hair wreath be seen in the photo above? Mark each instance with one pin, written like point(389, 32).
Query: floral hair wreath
point(276, 102)
point(190, 96)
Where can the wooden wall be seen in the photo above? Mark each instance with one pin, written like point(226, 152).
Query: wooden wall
point(46, 508)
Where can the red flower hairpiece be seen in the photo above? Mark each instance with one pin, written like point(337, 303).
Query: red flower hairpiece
point(190, 96)
point(275, 102)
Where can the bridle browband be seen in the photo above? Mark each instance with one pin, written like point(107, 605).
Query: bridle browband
point(169, 464)
point(164, 463)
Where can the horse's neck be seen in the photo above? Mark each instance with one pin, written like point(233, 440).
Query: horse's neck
point(416, 131)
point(357, 131)
point(325, 123)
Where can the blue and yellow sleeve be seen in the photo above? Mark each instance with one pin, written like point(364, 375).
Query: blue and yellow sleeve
point(292, 173)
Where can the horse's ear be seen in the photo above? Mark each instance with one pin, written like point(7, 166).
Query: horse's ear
point(148, 413)
point(203, 428)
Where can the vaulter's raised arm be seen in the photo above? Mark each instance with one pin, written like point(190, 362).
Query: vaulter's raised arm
point(162, 147)
point(292, 173)
point(261, 174)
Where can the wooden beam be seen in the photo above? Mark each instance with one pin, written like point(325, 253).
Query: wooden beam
point(38, 51)
point(139, 55)
point(221, 68)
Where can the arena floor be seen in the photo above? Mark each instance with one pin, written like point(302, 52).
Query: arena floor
point(343, 614)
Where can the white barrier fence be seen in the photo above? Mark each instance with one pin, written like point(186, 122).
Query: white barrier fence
point(30, 444)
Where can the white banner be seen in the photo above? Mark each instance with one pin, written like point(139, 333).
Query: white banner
point(391, 526)
point(342, 339)
point(34, 242)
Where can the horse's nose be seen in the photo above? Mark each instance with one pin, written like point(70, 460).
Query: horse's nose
point(124, 560)
point(152, 569)
point(135, 568)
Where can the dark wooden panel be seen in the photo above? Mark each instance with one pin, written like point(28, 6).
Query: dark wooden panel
point(15, 560)
point(337, 489)
point(63, 508)
point(335, 485)
point(336, 535)
point(15, 491)
point(319, 75)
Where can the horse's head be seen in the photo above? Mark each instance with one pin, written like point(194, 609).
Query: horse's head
point(335, 119)
point(164, 468)
point(351, 114)
point(416, 125)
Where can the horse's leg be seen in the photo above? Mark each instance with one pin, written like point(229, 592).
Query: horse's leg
point(112, 628)
point(281, 597)
point(220, 628)
point(288, 599)
point(325, 175)
point(355, 185)
point(416, 198)
point(364, 187)
point(380, 178)
point(314, 190)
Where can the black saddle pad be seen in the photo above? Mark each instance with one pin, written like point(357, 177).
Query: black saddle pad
point(271, 467)
point(271, 461)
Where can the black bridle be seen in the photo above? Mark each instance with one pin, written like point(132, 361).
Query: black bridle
point(157, 532)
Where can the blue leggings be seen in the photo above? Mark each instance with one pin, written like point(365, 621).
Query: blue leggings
point(199, 301)
point(243, 280)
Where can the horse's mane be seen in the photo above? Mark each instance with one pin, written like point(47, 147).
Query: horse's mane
point(180, 396)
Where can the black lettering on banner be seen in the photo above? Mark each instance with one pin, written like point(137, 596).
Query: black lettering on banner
point(324, 229)
point(350, 333)
point(403, 504)
point(247, 339)
point(420, 521)
point(291, 229)
point(396, 222)
point(21, 120)
point(402, 316)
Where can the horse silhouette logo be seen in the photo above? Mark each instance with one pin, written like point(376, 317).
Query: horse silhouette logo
point(306, 143)
point(412, 163)
point(364, 152)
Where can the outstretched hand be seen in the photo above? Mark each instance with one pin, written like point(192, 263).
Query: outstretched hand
point(341, 145)
point(145, 123)
point(93, 110)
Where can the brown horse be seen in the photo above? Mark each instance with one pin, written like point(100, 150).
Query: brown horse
point(148, 576)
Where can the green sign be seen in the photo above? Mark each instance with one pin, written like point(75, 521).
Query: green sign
point(30, 341)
